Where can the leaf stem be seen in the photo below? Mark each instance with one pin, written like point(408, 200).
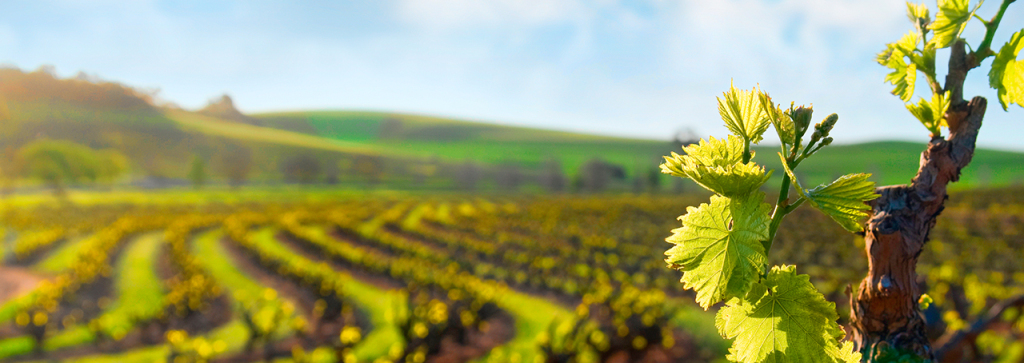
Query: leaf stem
point(984, 50)
point(933, 83)
point(782, 207)
point(746, 150)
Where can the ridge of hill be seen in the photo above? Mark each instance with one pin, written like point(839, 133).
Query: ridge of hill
point(223, 107)
point(162, 141)
point(370, 125)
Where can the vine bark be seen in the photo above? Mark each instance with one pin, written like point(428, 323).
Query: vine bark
point(884, 311)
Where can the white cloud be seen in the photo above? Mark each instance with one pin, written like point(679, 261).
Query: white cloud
point(456, 14)
point(605, 66)
point(818, 52)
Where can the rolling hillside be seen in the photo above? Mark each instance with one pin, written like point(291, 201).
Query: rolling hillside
point(459, 140)
point(161, 142)
point(891, 162)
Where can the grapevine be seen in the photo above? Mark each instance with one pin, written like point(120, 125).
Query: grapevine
point(771, 313)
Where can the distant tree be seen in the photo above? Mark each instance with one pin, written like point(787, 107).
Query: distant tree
point(112, 163)
point(236, 163)
point(303, 168)
point(684, 137)
point(59, 163)
point(597, 174)
point(8, 153)
point(370, 168)
point(8, 169)
point(551, 177)
point(197, 172)
point(332, 171)
point(577, 182)
point(654, 180)
point(467, 175)
point(346, 166)
point(637, 184)
point(425, 170)
point(509, 177)
point(390, 128)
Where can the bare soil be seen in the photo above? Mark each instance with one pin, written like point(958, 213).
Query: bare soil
point(501, 329)
point(304, 297)
point(16, 281)
point(313, 253)
point(88, 302)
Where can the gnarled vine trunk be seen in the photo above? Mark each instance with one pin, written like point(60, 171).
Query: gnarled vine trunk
point(885, 310)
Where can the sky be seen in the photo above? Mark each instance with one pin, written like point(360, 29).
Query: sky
point(642, 69)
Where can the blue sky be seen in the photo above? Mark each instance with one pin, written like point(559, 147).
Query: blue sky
point(628, 68)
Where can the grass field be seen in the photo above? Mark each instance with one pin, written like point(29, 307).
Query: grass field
point(234, 130)
point(891, 162)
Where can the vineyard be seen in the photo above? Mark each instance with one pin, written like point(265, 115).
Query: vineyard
point(439, 279)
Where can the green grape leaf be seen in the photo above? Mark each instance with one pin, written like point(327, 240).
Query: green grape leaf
point(908, 43)
point(931, 114)
point(717, 164)
point(842, 200)
point(917, 11)
point(719, 249)
point(883, 56)
point(783, 319)
point(741, 110)
point(924, 61)
point(1007, 73)
point(784, 125)
point(903, 75)
point(949, 22)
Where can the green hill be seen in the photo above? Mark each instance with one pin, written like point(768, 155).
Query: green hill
point(399, 150)
point(458, 140)
point(895, 162)
point(160, 142)
point(891, 162)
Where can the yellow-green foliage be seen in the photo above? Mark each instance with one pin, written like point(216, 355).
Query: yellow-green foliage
point(59, 162)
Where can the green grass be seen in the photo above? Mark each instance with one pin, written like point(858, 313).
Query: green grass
point(634, 156)
point(61, 258)
point(373, 125)
point(458, 140)
point(375, 302)
point(533, 315)
point(234, 130)
point(139, 293)
point(700, 325)
point(157, 353)
point(233, 333)
point(21, 345)
point(11, 308)
point(893, 162)
point(139, 290)
point(214, 257)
